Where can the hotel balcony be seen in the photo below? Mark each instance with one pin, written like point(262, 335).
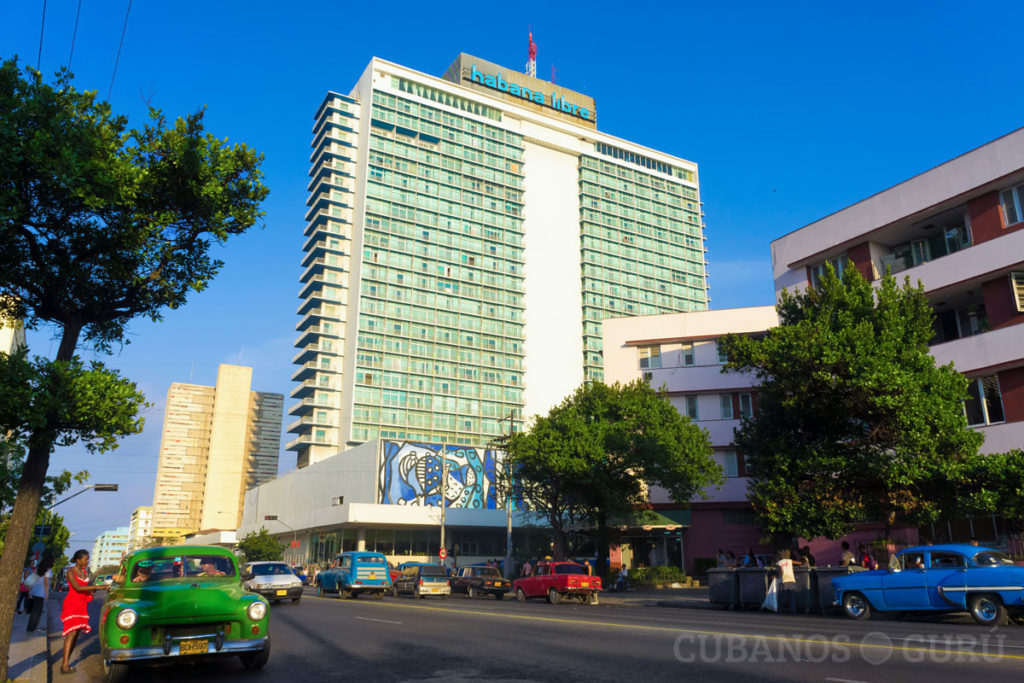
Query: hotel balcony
point(307, 370)
point(315, 315)
point(310, 352)
point(317, 282)
point(329, 165)
point(331, 176)
point(323, 230)
point(995, 349)
point(307, 405)
point(303, 424)
point(318, 265)
point(311, 440)
point(309, 386)
point(323, 204)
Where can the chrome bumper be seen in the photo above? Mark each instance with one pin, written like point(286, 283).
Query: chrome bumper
point(229, 647)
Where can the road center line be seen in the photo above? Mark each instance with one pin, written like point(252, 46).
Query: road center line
point(892, 647)
point(382, 621)
point(844, 680)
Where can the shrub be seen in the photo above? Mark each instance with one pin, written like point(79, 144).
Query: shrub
point(646, 576)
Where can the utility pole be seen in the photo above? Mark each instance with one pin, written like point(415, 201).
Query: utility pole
point(503, 441)
point(444, 485)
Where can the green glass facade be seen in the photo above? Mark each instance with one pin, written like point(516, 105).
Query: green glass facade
point(440, 338)
point(642, 249)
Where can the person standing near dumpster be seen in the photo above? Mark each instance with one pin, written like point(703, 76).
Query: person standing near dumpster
point(787, 578)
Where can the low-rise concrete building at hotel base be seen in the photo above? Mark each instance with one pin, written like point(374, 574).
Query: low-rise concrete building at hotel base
point(385, 495)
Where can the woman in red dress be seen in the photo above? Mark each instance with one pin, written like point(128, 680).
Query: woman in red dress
point(75, 612)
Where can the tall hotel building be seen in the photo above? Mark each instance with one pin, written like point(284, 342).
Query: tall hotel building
point(465, 237)
point(217, 443)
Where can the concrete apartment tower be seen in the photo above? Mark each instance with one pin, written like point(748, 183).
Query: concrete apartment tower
point(109, 548)
point(140, 528)
point(217, 443)
point(465, 237)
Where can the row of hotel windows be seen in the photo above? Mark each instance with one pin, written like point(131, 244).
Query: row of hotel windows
point(622, 177)
point(725, 402)
point(633, 158)
point(650, 356)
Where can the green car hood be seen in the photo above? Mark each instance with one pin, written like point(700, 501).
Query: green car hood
point(183, 600)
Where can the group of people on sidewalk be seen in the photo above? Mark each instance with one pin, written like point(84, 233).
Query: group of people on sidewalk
point(34, 591)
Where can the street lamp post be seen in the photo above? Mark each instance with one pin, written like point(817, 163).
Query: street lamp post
point(88, 487)
point(273, 518)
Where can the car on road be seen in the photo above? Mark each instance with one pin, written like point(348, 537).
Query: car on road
point(180, 603)
point(557, 581)
point(938, 578)
point(356, 573)
point(273, 580)
point(421, 580)
point(474, 580)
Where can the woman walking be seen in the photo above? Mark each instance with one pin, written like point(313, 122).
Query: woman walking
point(40, 591)
point(75, 613)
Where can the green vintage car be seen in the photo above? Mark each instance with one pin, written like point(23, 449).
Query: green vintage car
point(178, 602)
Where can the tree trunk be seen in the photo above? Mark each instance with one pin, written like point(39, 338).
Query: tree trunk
point(23, 516)
point(19, 533)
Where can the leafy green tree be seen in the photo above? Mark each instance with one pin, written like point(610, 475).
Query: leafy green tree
point(99, 225)
point(260, 545)
point(854, 422)
point(989, 484)
point(56, 540)
point(592, 457)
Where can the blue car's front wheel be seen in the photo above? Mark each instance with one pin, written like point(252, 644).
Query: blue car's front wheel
point(856, 606)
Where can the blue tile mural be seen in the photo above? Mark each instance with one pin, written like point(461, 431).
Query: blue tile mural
point(410, 474)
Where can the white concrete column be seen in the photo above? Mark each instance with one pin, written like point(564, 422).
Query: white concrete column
point(361, 539)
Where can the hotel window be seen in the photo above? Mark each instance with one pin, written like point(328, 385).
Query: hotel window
point(1012, 200)
point(650, 357)
point(985, 405)
point(1017, 287)
point(730, 463)
point(691, 407)
point(726, 401)
point(723, 357)
point(818, 269)
point(686, 355)
point(746, 406)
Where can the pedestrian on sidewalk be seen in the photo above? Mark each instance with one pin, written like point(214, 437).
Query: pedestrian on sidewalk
point(75, 612)
point(39, 592)
point(24, 599)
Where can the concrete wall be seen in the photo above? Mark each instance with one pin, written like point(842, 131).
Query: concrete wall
point(226, 464)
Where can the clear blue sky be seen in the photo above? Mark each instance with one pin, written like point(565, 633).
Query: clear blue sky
point(791, 111)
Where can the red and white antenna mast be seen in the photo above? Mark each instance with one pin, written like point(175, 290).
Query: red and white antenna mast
point(531, 64)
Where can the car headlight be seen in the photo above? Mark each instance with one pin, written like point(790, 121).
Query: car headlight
point(257, 611)
point(126, 618)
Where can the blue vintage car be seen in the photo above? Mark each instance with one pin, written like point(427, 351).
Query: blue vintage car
point(938, 578)
point(355, 573)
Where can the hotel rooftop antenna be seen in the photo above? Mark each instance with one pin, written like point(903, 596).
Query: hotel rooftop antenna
point(531, 64)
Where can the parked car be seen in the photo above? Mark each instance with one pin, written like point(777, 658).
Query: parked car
point(422, 579)
point(476, 580)
point(181, 602)
point(557, 581)
point(273, 580)
point(393, 572)
point(938, 578)
point(356, 573)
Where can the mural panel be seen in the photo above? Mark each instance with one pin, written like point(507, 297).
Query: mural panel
point(410, 474)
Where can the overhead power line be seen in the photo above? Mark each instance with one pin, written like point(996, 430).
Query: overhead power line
point(42, 25)
point(124, 29)
point(75, 33)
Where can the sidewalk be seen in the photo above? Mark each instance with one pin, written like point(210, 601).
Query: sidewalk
point(27, 658)
point(654, 597)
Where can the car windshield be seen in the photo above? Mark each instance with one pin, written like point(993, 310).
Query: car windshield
point(991, 558)
point(271, 569)
point(432, 570)
point(569, 569)
point(178, 566)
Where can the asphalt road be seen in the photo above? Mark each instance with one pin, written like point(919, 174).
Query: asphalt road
point(402, 639)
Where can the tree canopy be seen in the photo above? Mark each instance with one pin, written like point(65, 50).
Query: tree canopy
point(593, 456)
point(260, 545)
point(99, 224)
point(854, 420)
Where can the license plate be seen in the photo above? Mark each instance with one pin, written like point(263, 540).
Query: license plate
point(372, 575)
point(585, 584)
point(194, 647)
point(282, 592)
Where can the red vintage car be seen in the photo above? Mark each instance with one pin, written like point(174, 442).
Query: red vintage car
point(557, 581)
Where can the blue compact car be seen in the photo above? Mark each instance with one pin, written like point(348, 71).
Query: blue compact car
point(355, 573)
point(938, 578)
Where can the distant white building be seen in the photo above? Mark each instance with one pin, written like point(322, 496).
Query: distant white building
point(109, 548)
point(140, 529)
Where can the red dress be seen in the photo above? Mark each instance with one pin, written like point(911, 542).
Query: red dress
point(75, 612)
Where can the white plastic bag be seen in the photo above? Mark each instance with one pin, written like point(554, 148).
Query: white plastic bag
point(771, 600)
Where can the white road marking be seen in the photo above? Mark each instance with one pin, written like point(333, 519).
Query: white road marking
point(383, 621)
point(844, 680)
